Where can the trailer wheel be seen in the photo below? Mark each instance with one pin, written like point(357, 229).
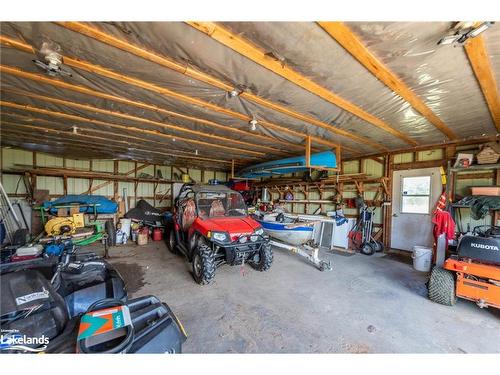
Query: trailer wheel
point(263, 259)
point(367, 249)
point(109, 228)
point(203, 264)
point(442, 287)
point(172, 247)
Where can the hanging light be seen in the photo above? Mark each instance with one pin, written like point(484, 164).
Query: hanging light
point(75, 129)
point(253, 125)
point(196, 152)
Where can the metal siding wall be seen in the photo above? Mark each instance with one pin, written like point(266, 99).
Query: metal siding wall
point(406, 157)
point(208, 175)
point(99, 165)
point(350, 167)
point(77, 164)
point(373, 169)
point(430, 155)
point(11, 183)
point(46, 160)
point(106, 190)
point(221, 176)
point(125, 166)
point(14, 156)
point(78, 185)
point(195, 174)
point(165, 171)
point(53, 184)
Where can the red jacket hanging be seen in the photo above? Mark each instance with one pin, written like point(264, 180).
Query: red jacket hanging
point(443, 223)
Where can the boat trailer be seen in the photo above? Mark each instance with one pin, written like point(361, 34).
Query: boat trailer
point(309, 252)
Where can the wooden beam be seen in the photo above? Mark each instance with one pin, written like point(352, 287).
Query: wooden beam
point(167, 62)
point(419, 164)
point(98, 94)
point(128, 173)
point(308, 152)
point(95, 69)
point(127, 116)
point(110, 136)
point(475, 49)
point(245, 48)
point(157, 133)
point(352, 44)
point(99, 140)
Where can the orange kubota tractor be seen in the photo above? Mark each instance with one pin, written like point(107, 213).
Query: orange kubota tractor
point(473, 273)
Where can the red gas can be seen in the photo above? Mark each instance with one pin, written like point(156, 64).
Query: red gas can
point(157, 234)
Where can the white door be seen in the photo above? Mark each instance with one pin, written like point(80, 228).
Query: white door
point(414, 195)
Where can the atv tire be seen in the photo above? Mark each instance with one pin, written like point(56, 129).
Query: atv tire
point(170, 240)
point(109, 228)
point(442, 287)
point(265, 258)
point(203, 264)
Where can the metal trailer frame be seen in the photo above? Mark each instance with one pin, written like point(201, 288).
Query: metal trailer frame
point(309, 252)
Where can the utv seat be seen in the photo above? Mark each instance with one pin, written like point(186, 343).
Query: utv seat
point(189, 214)
point(217, 209)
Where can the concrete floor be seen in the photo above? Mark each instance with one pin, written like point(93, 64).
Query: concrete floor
point(374, 304)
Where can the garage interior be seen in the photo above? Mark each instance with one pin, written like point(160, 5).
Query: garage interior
point(132, 111)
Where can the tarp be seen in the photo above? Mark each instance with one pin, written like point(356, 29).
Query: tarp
point(105, 205)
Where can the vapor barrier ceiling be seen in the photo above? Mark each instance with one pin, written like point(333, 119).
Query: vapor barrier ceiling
point(186, 93)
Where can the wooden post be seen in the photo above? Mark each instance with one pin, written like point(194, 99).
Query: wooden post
point(232, 168)
point(308, 151)
point(115, 183)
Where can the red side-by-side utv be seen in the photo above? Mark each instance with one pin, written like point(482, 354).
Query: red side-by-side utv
point(211, 227)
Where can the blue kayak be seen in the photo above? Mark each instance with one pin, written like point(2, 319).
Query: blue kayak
point(325, 159)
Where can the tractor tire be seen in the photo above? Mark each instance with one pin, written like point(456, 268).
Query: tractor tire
point(265, 259)
point(367, 249)
point(170, 240)
point(110, 230)
point(203, 264)
point(442, 287)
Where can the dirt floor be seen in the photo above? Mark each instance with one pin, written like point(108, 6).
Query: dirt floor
point(374, 304)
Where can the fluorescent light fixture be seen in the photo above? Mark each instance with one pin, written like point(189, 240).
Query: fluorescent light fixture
point(478, 30)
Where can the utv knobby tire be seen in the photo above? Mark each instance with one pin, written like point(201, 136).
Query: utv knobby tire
point(170, 240)
point(265, 259)
point(442, 287)
point(204, 258)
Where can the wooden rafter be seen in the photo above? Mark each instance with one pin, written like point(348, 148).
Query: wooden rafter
point(167, 62)
point(99, 94)
point(92, 68)
point(107, 140)
point(111, 136)
point(475, 49)
point(127, 116)
point(102, 143)
point(259, 56)
point(352, 44)
point(157, 133)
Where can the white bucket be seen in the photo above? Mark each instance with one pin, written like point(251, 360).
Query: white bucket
point(125, 226)
point(422, 257)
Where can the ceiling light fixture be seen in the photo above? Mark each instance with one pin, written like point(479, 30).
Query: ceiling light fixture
point(253, 124)
point(463, 31)
point(75, 129)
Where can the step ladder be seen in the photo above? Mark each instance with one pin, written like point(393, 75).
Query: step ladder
point(8, 215)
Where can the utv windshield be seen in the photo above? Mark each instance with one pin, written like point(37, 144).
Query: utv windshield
point(220, 204)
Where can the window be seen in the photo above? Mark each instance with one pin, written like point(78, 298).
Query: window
point(416, 193)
